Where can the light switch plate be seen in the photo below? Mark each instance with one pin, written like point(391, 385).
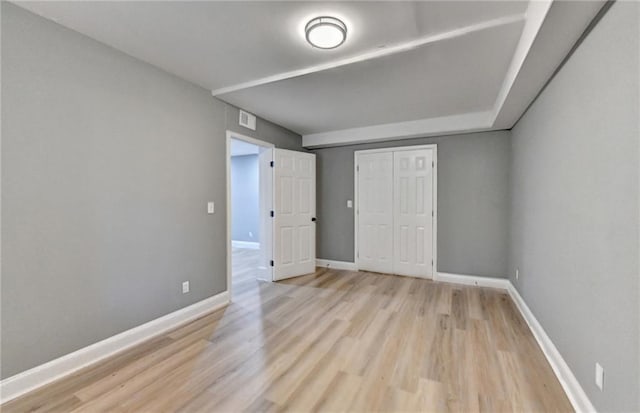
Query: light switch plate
point(349, 203)
point(185, 287)
point(211, 207)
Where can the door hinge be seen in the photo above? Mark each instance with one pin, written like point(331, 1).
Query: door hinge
point(272, 164)
point(273, 214)
point(432, 215)
point(433, 164)
point(358, 168)
point(271, 263)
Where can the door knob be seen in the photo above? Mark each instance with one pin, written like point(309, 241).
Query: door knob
point(313, 219)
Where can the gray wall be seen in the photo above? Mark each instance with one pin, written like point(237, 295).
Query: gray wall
point(574, 224)
point(473, 201)
point(245, 198)
point(107, 165)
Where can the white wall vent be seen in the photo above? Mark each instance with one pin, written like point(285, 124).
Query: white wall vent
point(247, 120)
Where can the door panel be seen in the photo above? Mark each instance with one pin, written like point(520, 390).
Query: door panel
point(375, 214)
point(294, 207)
point(413, 209)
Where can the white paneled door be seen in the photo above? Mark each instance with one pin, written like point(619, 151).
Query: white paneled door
point(395, 216)
point(294, 244)
point(413, 213)
point(375, 212)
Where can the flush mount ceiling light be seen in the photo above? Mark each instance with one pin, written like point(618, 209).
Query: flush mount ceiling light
point(325, 32)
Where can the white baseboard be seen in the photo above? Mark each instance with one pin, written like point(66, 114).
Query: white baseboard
point(501, 283)
point(21, 383)
point(570, 384)
point(338, 265)
point(246, 244)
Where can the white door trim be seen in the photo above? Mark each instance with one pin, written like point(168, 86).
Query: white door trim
point(433, 147)
point(233, 135)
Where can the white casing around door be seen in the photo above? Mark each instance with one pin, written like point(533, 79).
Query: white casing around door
point(413, 213)
point(375, 212)
point(294, 234)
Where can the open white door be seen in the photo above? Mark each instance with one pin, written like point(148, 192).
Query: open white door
point(294, 229)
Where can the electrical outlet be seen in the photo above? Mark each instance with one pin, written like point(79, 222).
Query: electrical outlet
point(211, 207)
point(517, 273)
point(185, 287)
point(599, 376)
point(250, 234)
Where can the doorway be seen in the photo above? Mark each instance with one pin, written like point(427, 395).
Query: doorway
point(270, 238)
point(396, 216)
point(249, 201)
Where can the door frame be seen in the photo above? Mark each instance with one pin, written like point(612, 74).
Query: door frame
point(233, 135)
point(434, 148)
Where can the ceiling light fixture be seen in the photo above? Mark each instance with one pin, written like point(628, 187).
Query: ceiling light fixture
point(326, 32)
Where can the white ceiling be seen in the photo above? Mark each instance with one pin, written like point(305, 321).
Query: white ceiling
point(406, 69)
point(241, 148)
point(450, 77)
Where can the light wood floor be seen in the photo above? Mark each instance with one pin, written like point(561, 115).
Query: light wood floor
point(331, 341)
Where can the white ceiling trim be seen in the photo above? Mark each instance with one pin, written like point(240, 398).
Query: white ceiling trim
point(535, 15)
point(475, 121)
point(374, 54)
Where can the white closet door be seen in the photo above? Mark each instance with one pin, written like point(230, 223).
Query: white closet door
point(294, 245)
point(413, 208)
point(375, 212)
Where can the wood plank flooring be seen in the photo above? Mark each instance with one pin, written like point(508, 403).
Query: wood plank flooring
point(330, 341)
